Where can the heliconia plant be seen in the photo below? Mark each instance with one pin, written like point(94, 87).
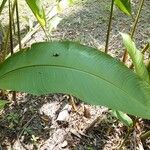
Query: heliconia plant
point(87, 73)
point(72, 68)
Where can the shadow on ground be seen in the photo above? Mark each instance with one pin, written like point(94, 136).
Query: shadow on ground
point(32, 124)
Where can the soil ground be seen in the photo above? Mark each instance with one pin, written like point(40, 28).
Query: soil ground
point(34, 123)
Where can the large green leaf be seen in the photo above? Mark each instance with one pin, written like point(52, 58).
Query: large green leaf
point(136, 56)
point(37, 9)
point(124, 6)
point(68, 67)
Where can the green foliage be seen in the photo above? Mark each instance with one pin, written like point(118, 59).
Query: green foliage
point(136, 56)
point(124, 118)
point(38, 11)
point(67, 67)
point(27, 131)
point(13, 118)
point(124, 6)
point(3, 103)
point(90, 148)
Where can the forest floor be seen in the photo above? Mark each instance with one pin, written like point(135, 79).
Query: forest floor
point(49, 122)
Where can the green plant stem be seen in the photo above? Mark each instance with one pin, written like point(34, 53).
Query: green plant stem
point(11, 39)
point(46, 34)
point(13, 22)
point(5, 47)
point(29, 34)
point(14, 27)
point(2, 5)
point(125, 56)
point(10, 29)
point(109, 27)
point(18, 25)
point(27, 37)
point(137, 18)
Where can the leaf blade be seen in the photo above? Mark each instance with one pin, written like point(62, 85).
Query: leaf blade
point(38, 11)
point(124, 6)
point(136, 56)
point(68, 67)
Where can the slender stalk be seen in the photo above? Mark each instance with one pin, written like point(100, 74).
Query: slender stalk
point(125, 56)
point(14, 28)
point(2, 5)
point(137, 18)
point(18, 25)
point(10, 29)
point(109, 26)
point(13, 22)
point(5, 47)
point(47, 36)
point(26, 38)
point(11, 39)
point(29, 34)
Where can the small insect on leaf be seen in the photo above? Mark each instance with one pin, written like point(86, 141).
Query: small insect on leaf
point(56, 54)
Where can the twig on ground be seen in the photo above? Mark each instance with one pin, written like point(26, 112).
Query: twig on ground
point(72, 102)
point(144, 136)
point(26, 125)
point(92, 124)
point(125, 139)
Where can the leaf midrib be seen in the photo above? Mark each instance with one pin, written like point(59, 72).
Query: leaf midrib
point(71, 68)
